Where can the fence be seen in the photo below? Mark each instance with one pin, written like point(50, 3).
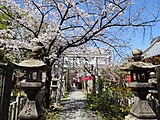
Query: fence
point(15, 107)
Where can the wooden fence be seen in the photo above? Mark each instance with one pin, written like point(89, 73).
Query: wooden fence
point(15, 107)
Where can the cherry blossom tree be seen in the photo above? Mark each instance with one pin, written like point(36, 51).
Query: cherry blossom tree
point(58, 25)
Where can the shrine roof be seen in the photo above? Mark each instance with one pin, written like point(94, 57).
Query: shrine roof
point(153, 50)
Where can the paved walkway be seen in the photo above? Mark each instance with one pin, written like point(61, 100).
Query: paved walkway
point(75, 108)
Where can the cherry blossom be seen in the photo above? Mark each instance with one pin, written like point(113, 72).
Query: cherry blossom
point(61, 24)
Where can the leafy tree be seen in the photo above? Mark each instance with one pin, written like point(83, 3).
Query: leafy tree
point(4, 20)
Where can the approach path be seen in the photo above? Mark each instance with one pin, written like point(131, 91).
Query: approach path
point(76, 107)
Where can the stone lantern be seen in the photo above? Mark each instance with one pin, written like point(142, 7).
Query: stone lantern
point(54, 87)
point(139, 73)
point(33, 69)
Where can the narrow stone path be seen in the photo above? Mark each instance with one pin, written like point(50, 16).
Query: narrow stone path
point(76, 107)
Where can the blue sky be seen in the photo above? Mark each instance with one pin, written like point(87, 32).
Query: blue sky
point(140, 41)
point(143, 42)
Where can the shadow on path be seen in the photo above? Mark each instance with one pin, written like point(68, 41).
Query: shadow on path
point(76, 107)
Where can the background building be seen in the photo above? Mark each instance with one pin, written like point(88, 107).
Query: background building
point(152, 53)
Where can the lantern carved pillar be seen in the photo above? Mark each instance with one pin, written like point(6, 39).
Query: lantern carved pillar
point(33, 69)
point(139, 73)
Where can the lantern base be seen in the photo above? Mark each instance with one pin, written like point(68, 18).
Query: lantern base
point(29, 111)
point(131, 117)
point(142, 109)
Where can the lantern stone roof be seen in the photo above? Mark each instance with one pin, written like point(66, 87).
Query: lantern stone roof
point(153, 50)
point(31, 63)
point(137, 65)
point(3, 64)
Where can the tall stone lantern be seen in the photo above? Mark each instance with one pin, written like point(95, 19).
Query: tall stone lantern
point(139, 73)
point(33, 69)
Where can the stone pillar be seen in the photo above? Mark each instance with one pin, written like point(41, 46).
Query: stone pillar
point(158, 88)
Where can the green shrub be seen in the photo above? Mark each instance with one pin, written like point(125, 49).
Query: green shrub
point(112, 102)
